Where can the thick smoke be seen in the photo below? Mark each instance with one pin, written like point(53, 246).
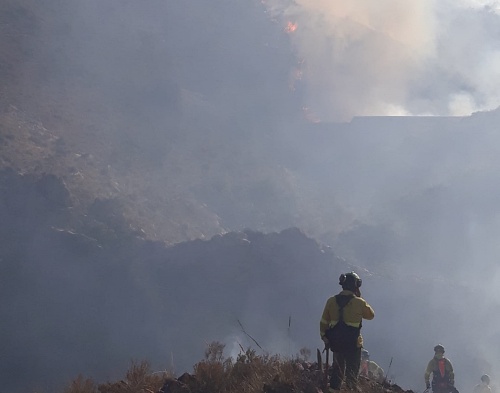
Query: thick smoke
point(190, 90)
point(418, 57)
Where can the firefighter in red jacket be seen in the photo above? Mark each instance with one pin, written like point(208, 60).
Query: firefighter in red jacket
point(443, 378)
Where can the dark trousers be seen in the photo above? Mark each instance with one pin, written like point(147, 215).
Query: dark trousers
point(445, 389)
point(345, 367)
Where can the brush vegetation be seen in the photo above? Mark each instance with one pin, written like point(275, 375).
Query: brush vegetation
point(248, 373)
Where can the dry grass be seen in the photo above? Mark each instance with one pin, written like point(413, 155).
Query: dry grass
point(138, 379)
point(248, 373)
point(81, 385)
point(251, 373)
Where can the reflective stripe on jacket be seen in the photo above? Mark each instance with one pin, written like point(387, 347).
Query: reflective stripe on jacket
point(432, 367)
point(356, 310)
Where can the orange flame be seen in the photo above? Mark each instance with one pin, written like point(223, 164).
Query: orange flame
point(290, 27)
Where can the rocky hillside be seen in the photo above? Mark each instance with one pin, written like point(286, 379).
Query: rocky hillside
point(104, 107)
point(88, 300)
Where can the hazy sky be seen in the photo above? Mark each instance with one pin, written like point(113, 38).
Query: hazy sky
point(392, 57)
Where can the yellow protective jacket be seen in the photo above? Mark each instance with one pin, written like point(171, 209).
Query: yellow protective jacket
point(432, 367)
point(356, 310)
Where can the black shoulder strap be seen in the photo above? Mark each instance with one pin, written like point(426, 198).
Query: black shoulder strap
point(342, 301)
point(438, 370)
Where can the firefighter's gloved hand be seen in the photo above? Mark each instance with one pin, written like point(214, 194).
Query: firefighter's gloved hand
point(325, 340)
point(428, 385)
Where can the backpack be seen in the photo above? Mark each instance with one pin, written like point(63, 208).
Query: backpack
point(342, 337)
point(440, 376)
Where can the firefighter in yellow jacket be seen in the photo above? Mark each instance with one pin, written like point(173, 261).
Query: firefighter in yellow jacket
point(340, 327)
point(443, 377)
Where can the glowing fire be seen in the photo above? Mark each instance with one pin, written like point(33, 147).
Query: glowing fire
point(290, 27)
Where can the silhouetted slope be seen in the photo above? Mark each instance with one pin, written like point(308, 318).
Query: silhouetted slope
point(89, 299)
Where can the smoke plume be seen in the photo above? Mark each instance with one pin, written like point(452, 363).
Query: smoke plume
point(418, 57)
